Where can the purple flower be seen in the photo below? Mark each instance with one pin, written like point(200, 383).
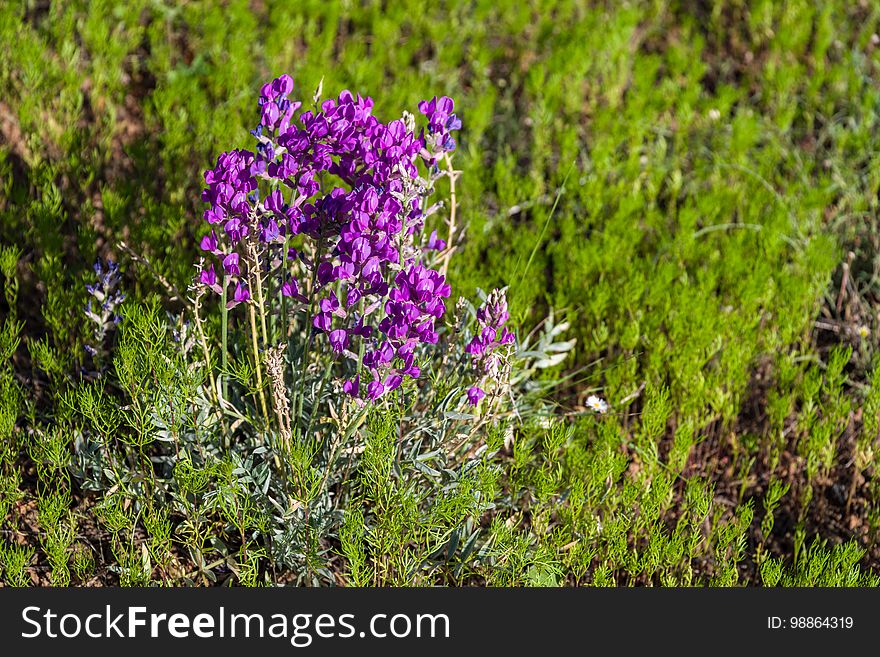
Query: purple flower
point(282, 85)
point(209, 242)
point(353, 386)
point(441, 121)
point(474, 395)
point(322, 321)
point(230, 264)
point(375, 389)
point(290, 288)
point(435, 243)
point(491, 333)
point(103, 314)
point(214, 215)
point(338, 340)
point(269, 231)
point(236, 229)
point(275, 202)
point(241, 295)
point(328, 307)
point(330, 304)
point(208, 276)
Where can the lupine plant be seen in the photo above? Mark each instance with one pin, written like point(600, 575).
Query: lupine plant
point(321, 400)
point(331, 286)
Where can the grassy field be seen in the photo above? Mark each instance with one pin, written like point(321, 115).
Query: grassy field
point(688, 189)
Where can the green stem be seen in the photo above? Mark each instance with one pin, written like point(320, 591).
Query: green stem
point(305, 363)
point(308, 327)
point(321, 390)
point(261, 304)
point(257, 362)
point(224, 336)
point(282, 300)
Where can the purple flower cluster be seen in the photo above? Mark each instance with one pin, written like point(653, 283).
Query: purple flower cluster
point(491, 334)
point(105, 300)
point(341, 203)
point(441, 122)
point(413, 305)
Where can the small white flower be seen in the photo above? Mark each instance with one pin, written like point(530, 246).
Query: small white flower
point(597, 404)
point(714, 114)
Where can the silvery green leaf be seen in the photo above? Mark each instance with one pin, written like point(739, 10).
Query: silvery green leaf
point(421, 467)
point(551, 361)
point(453, 415)
point(428, 455)
point(562, 346)
point(559, 328)
point(531, 354)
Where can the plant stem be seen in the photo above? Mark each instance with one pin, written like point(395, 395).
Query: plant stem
point(308, 327)
point(204, 343)
point(260, 302)
point(450, 248)
point(224, 336)
point(257, 363)
point(282, 300)
point(323, 387)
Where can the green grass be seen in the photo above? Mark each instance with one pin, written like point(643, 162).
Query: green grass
point(682, 182)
